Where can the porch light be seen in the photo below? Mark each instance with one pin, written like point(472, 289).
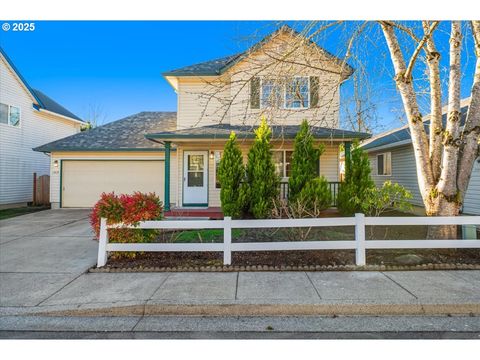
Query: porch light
point(212, 155)
point(55, 163)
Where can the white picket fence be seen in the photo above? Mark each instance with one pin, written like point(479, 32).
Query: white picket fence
point(360, 244)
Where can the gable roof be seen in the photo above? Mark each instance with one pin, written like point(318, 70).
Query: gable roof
point(127, 134)
point(42, 101)
point(222, 131)
point(219, 66)
point(51, 105)
point(401, 136)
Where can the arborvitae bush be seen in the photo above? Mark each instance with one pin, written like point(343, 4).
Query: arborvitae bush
point(305, 161)
point(316, 195)
point(262, 184)
point(356, 189)
point(231, 174)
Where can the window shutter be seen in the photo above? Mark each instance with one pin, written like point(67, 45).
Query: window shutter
point(314, 83)
point(255, 93)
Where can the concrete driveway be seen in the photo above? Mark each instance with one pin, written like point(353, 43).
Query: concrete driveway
point(42, 252)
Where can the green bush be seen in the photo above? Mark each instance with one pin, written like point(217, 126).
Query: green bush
point(231, 174)
point(358, 184)
point(316, 195)
point(262, 185)
point(305, 161)
point(391, 196)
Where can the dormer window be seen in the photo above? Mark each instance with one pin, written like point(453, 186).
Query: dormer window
point(297, 93)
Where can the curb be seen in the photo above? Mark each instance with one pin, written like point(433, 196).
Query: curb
point(277, 310)
point(235, 268)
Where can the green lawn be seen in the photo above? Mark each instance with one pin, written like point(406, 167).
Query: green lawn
point(10, 213)
point(209, 235)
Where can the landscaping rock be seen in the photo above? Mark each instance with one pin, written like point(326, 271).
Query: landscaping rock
point(409, 259)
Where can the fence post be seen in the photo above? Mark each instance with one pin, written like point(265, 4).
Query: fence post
point(227, 240)
point(102, 243)
point(360, 257)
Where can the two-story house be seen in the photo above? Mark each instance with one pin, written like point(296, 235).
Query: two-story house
point(28, 118)
point(285, 78)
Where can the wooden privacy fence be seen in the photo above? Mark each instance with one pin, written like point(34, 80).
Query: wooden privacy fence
point(41, 190)
point(360, 244)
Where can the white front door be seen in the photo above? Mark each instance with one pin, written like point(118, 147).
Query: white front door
point(195, 178)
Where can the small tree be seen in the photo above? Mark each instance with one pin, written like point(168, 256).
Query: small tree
point(262, 181)
point(353, 193)
point(231, 174)
point(391, 196)
point(305, 161)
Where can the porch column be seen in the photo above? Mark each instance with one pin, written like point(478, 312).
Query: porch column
point(347, 145)
point(166, 205)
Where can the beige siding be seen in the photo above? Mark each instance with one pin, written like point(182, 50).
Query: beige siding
point(18, 161)
point(329, 166)
point(196, 104)
point(102, 156)
point(204, 101)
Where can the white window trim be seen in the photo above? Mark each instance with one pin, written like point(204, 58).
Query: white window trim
point(284, 160)
point(385, 157)
point(284, 90)
point(8, 117)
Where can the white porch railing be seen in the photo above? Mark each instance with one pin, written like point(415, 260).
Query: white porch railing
point(360, 244)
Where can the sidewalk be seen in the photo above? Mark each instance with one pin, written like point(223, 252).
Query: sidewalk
point(44, 256)
point(249, 293)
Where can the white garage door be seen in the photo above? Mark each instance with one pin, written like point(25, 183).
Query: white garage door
point(84, 181)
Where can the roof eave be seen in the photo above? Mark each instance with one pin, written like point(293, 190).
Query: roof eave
point(60, 115)
point(53, 149)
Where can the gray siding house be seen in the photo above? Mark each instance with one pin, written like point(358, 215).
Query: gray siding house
point(392, 158)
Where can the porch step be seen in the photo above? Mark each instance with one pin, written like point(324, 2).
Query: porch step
point(213, 213)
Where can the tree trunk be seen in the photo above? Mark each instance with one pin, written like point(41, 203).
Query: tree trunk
point(419, 137)
point(441, 206)
point(451, 139)
point(436, 126)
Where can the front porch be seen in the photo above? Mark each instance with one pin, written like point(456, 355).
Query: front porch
point(192, 184)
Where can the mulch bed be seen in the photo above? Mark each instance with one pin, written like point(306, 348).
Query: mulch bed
point(295, 259)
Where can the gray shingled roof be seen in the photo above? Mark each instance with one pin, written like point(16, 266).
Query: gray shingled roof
point(393, 137)
point(124, 134)
point(49, 104)
point(222, 131)
point(219, 66)
point(207, 68)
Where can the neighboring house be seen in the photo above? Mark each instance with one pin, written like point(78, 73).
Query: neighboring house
point(176, 154)
point(392, 158)
point(28, 118)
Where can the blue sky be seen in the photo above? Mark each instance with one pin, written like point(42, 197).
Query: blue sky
point(118, 65)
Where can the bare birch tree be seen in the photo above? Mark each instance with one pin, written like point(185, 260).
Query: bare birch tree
point(445, 156)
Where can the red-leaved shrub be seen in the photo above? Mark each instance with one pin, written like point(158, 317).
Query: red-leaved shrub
point(130, 210)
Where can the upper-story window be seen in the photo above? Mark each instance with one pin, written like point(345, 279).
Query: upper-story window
point(297, 93)
point(9, 115)
point(272, 93)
